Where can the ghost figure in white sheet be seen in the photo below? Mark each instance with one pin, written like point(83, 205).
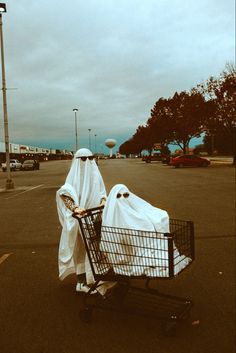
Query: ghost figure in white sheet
point(127, 252)
point(134, 236)
point(84, 184)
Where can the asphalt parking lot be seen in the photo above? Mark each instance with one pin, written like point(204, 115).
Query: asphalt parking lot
point(39, 314)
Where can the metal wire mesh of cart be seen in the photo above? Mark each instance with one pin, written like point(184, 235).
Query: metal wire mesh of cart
point(116, 252)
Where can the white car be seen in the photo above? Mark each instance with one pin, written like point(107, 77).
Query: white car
point(14, 165)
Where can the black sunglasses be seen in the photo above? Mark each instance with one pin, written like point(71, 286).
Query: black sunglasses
point(85, 158)
point(125, 195)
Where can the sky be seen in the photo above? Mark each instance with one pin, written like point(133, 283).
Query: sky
point(110, 59)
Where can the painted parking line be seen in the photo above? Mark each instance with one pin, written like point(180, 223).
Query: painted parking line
point(4, 257)
point(22, 192)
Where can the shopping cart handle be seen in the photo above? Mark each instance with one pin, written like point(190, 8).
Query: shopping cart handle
point(87, 211)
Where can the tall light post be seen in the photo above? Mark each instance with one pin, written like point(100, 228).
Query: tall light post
point(95, 143)
point(75, 110)
point(9, 181)
point(89, 130)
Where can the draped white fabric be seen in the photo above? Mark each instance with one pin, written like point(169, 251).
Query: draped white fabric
point(84, 184)
point(86, 180)
point(133, 212)
point(130, 254)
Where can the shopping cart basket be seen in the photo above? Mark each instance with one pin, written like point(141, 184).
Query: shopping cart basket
point(118, 254)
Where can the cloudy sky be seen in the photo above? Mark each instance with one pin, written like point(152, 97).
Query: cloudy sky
point(111, 59)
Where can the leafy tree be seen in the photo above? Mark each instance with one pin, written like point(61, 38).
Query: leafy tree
point(160, 122)
point(142, 139)
point(126, 148)
point(220, 126)
point(210, 107)
point(188, 113)
point(145, 138)
point(178, 119)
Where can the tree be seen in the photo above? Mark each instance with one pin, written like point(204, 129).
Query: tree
point(160, 122)
point(178, 119)
point(126, 148)
point(141, 139)
point(220, 94)
point(210, 107)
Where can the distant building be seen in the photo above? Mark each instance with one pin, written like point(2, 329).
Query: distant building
point(23, 152)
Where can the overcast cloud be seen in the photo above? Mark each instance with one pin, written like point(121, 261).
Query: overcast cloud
point(110, 59)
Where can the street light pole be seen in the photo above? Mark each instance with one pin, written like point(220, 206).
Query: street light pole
point(89, 130)
point(76, 132)
point(95, 143)
point(9, 181)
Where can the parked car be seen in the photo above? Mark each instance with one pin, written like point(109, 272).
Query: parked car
point(189, 160)
point(154, 157)
point(30, 164)
point(14, 165)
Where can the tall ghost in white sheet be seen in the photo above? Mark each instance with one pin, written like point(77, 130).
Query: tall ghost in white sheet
point(84, 184)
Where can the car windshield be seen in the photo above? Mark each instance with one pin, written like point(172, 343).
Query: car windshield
point(28, 162)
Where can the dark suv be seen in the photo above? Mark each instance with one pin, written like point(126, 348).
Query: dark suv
point(30, 164)
point(154, 157)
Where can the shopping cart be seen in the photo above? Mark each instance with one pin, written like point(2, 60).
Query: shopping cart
point(120, 255)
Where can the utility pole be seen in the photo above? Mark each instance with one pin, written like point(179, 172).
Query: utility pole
point(9, 181)
point(76, 131)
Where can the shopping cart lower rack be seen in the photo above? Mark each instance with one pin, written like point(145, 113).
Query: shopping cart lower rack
point(120, 255)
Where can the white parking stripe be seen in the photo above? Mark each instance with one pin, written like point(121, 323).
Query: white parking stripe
point(22, 192)
point(4, 257)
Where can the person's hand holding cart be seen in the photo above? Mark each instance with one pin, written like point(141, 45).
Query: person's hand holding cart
point(79, 211)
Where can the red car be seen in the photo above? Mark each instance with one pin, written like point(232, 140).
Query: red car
point(189, 160)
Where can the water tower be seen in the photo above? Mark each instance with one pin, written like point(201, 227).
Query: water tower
point(110, 143)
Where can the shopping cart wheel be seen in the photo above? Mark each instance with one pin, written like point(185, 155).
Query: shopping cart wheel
point(168, 328)
point(85, 315)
